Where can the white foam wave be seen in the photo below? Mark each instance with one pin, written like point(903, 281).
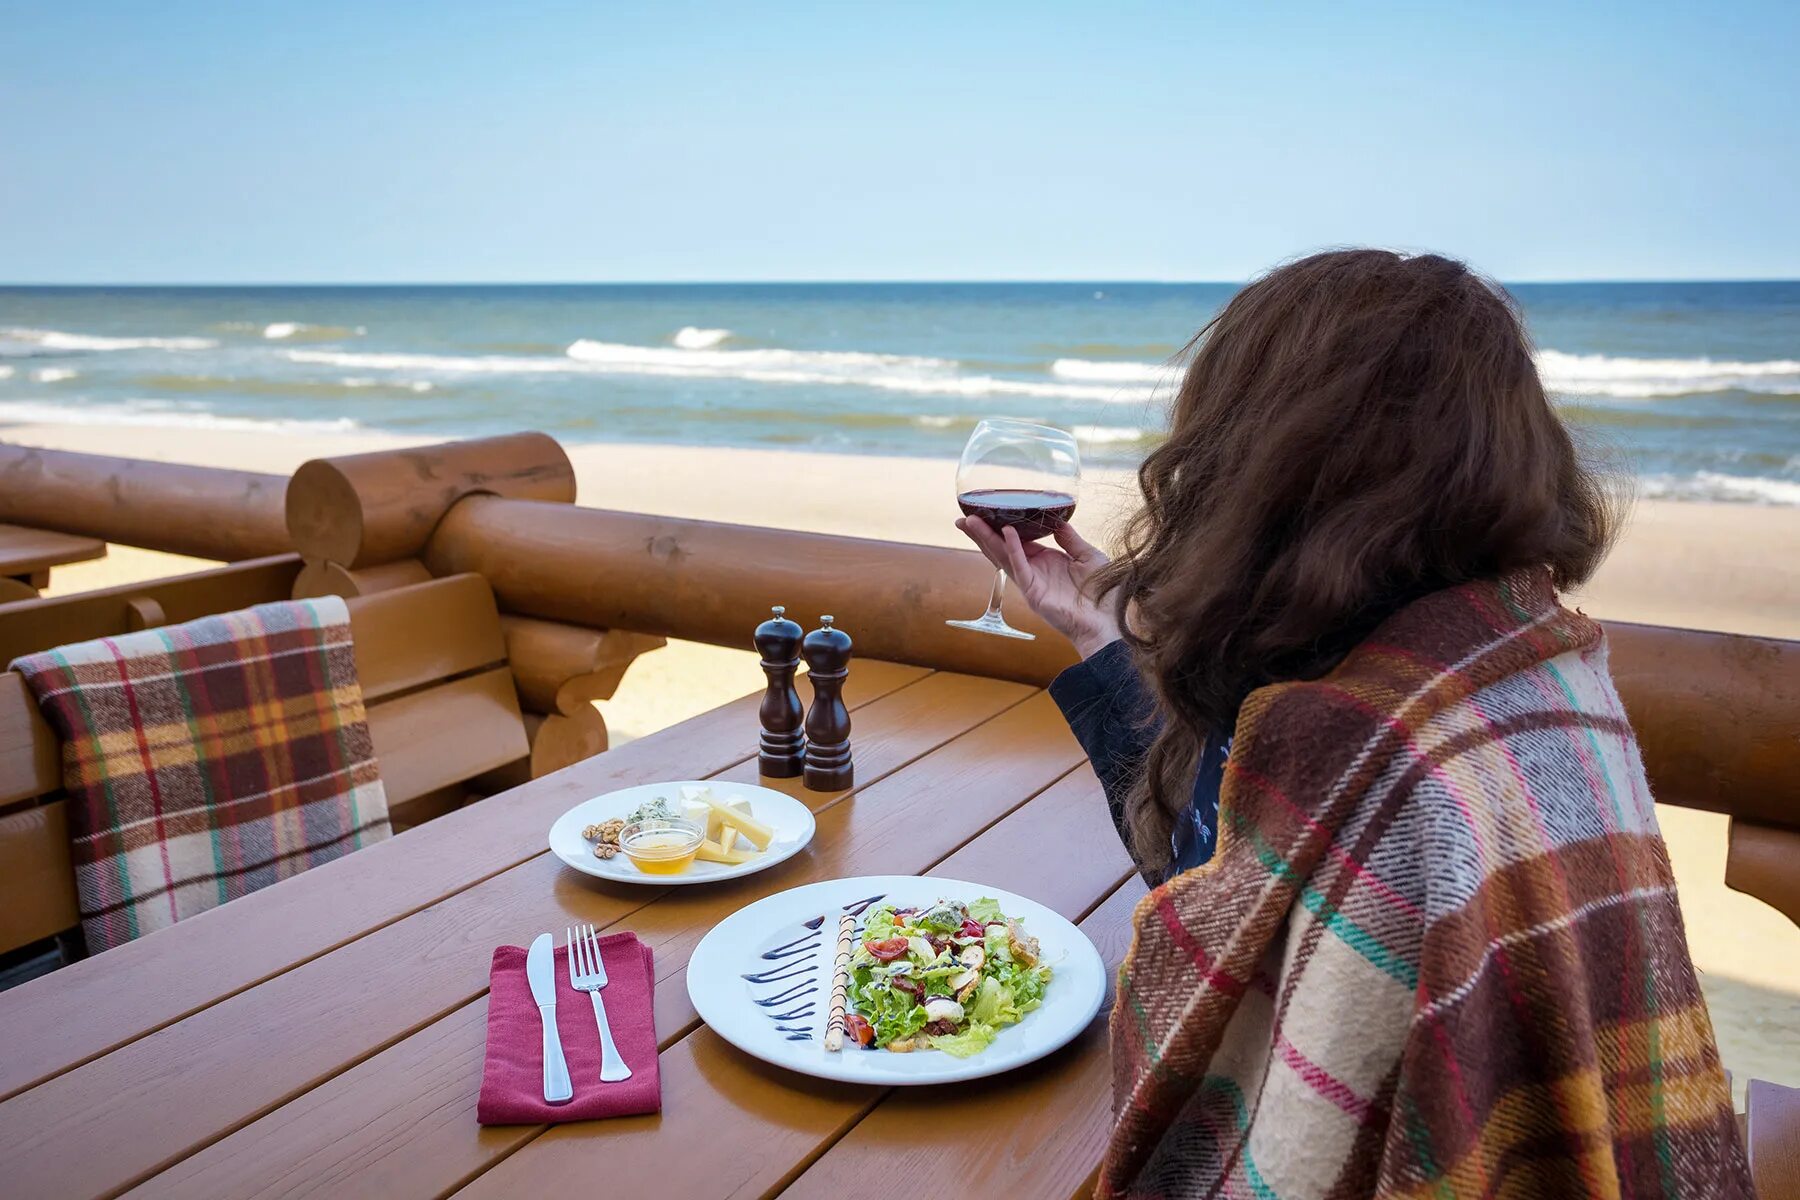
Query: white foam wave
point(1643, 378)
point(912, 374)
point(1101, 435)
point(411, 385)
point(299, 330)
point(5, 371)
point(1713, 485)
point(161, 415)
point(39, 341)
point(688, 337)
point(937, 421)
point(53, 374)
point(1111, 372)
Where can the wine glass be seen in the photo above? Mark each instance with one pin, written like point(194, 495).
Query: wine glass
point(1019, 474)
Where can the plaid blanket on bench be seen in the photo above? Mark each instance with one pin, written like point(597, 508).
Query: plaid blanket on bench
point(204, 761)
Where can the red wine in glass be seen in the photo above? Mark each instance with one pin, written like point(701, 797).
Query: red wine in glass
point(1019, 475)
point(1035, 514)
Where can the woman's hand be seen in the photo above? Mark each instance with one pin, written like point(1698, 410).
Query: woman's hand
point(1054, 582)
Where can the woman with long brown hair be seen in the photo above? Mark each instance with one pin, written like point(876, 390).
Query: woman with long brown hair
point(1413, 930)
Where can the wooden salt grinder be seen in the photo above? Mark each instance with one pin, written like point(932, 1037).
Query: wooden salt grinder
point(828, 766)
point(781, 749)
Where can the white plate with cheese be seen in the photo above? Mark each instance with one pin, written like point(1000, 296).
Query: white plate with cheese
point(749, 829)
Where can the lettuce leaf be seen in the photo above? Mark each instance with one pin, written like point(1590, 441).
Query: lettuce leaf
point(878, 926)
point(986, 910)
point(972, 1039)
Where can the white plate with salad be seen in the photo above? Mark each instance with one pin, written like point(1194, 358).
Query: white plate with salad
point(681, 832)
point(942, 980)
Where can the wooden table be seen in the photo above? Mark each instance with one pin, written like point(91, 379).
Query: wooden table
point(26, 556)
point(324, 1036)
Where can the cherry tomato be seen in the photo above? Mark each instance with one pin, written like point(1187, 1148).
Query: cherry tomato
point(858, 1027)
point(889, 949)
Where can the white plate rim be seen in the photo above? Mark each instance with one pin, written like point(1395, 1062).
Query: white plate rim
point(596, 868)
point(740, 925)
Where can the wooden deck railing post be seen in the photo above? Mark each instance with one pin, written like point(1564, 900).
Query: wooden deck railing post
point(361, 520)
point(364, 510)
point(206, 512)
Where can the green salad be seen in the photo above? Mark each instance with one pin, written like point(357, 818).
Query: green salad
point(947, 977)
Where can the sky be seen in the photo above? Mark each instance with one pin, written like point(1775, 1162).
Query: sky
point(444, 142)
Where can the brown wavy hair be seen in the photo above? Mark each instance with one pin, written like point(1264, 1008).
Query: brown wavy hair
point(1355, 430)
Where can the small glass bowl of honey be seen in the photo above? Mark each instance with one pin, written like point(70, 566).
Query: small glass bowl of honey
point(661, 847)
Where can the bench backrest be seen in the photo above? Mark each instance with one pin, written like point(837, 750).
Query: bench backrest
point(442, 709)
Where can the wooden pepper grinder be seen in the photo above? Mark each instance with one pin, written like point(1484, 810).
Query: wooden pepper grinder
point(827, 653)
point(781, 749)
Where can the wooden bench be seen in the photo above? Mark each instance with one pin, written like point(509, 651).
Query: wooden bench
point(442, 710)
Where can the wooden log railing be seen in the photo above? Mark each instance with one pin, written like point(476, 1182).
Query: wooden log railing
point(708, 582)
point(206, 512)
point(362, 510)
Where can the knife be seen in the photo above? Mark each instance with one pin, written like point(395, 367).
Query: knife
point(540, 970)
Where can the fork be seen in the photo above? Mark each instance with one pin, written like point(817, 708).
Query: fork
point(587, 973)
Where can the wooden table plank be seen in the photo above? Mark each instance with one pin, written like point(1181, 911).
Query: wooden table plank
point(959, 790)
point(72, 1015)
point(157, 1106)
point(1045, 1125)
point(734, 1116)
point(26, 551)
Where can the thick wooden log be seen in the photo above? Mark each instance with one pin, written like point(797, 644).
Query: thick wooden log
point(320, 578)
point(564, 668)
point(362, 509)
point(1717, 716)
point(710, 582)
point(207, 512)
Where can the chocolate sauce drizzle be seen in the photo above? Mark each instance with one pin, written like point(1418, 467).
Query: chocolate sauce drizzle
point(803, 951)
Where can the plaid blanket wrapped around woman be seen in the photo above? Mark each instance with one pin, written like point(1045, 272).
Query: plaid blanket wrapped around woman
point(204, 761)
point(1438, 952)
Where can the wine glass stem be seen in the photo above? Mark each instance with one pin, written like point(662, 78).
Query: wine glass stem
point(994, 598)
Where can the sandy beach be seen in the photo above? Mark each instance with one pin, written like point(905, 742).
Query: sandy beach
point(1709, 566)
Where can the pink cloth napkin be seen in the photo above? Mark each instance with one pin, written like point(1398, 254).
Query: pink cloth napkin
point(512, 1075)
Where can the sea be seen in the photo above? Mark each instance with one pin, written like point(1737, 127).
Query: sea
point(1692, 387)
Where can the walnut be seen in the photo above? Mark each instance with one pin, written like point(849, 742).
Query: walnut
point(605, 850)
point(604, 831)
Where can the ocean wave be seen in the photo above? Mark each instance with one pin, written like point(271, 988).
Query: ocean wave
point(913, 374)
point(1713, 485)
point(689, 337)
point(5, 371)
point(162, 415)
point(1645, 378)
point(53, 374)
point(297, 331)
point(1104, 435)
point(29, 343)
point(253, 386)
point(1111, 372)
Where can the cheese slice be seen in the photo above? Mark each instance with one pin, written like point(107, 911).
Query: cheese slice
point(711, 851)
point(695, 807)
point(735, 816)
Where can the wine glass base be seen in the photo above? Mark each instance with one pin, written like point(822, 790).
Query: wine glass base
point(994, 625)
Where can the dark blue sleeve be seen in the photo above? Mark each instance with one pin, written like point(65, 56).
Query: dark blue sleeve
point(1108, 708)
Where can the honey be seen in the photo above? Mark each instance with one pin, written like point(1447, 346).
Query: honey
point(661, 847)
